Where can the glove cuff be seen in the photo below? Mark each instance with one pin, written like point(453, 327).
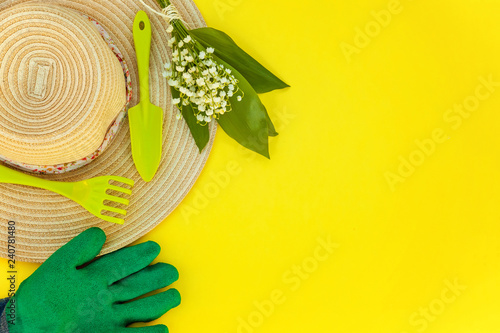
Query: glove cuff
point(4, 327)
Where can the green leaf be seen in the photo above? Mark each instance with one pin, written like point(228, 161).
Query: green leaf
point(270, 125)
point(248, 122)
point(201, 134)
point(261, 79)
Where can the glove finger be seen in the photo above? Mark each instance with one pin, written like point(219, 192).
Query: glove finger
point(149, 308)
point(145, 281)
point(80, 250)
point(122, 263)
point(147, 329)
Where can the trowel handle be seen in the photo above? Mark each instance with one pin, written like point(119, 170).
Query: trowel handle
point(142, 40)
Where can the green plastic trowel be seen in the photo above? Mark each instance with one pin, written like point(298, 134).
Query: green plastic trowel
point(146, 119)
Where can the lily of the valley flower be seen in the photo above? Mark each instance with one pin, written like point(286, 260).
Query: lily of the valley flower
point(209, 76)
point(202, 82)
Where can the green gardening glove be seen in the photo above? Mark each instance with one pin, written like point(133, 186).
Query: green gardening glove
point(61, 296)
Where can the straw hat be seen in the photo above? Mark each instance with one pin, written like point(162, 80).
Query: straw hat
point(45, 221)
point(61, 87)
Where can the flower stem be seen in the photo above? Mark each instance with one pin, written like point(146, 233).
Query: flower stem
point(164, 3)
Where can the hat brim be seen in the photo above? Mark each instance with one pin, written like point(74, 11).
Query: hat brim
point(45, 221)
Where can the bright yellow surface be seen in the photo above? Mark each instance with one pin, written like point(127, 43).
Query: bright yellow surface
point(344, 125)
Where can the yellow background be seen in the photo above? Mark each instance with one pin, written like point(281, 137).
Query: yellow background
point(343, 125)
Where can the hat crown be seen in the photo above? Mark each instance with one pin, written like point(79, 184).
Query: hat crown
point(61, 86)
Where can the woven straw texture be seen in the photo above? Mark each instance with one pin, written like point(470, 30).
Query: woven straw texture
point(61, 85)
point(45, 221)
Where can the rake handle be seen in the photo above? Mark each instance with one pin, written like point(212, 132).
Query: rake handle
point(10, 176)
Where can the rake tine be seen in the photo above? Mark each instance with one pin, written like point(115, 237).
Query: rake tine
point(119, 189)
point(111, 219)
point(115, 210)
point(116, 199)
point(123, 180)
